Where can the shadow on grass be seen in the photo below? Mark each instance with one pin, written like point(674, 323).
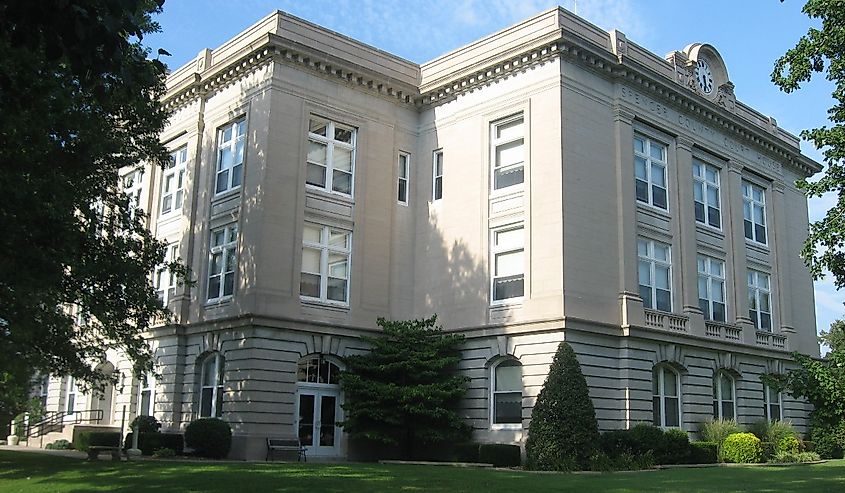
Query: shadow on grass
point(31, 473)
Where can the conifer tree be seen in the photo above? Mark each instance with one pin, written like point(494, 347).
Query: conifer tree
point(564, 431)
point(404, 390)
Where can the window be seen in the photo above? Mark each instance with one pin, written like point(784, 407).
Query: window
point(404, 176)
point(655, 274)
point(173, 182)
point(759, 300)
point(507, 393)
point(754, 212)
point(211, 386)
point(711, 288)
point(223, 259)
point(317, 369)
point(650, 171)
point(325, 263)
point(70, 397)
point(43, 390)
point(146, 395)
point(666, 397)
point(230, 156)
point(507, 139)
point(508, 246)
point(331, 155)
point(723, 396)
point(772, 404)
point(705, 184)
point(437, 176)
point(165, 281)
point(133, 188)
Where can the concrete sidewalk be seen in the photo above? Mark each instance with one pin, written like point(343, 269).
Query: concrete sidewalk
point(74, 454)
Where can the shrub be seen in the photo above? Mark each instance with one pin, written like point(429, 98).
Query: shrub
point(164, 453)
point(742, 448)
point(769, 450)
point(500, 455)
point(790, 457)
point(638, 440)
point(704, 453)
point(145, 424)
point(716, 431)
point(624, 462)
point(676, 448)
point(828, 441)
point(789, 444)
point(86, 439)
point(59, 445)
point(808, 457)
point(564, 432)
point(148, 443)
point(209, 437)
point(465, 452)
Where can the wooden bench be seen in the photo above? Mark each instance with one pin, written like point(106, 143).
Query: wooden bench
point(285, 445)
point(95, 450)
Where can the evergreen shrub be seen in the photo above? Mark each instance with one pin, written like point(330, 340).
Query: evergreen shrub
point(148, 443)
point(704, 453)
point(209, 437)
point(465, 452)
point(742, 448)
point(500, 454)
point(145, 424)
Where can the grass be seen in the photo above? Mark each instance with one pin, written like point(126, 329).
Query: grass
point(31, 472)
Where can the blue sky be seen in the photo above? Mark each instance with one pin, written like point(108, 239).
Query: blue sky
point(749, 34)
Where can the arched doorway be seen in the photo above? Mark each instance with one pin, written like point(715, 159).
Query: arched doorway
point(318, 408)
point(103, 399)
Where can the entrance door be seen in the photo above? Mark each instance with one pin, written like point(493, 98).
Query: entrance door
point(318, 410)
point(103, 402)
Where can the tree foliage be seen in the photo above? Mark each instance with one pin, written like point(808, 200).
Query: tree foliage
point(823, 51)
point(564, 432)
point(404, 390)
point(79, 100)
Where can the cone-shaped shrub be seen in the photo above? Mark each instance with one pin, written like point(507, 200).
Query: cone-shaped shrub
point(564, 432)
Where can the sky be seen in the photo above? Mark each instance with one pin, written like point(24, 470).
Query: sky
point(749, 34)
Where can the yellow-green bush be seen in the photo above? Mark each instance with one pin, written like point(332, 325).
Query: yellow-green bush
point(742, 448)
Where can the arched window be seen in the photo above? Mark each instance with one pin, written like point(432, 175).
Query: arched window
point(772, 404)
point(146, 395)
point(506, 393)
point(317, 369)
point(211, 386)
point(666, 397)
point(724, 400)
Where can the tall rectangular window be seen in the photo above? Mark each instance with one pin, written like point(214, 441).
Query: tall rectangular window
point(146, 395)
point(711, 288)
point(759, 300)
point(655, 274)
point(43, 390)
point(506, 390)
point(230, 156)
point(133, 187)
point(331, 155)
point(772, 405)
point(437, 175)
point(165, 281)
point(404, 175)
point(754, 212)
point(70, 396)
point(223, 260)
point(508, 247)
point(508, 154)
point(705, 183)
point(325, 263)
point(650, 171)
point(173, 182)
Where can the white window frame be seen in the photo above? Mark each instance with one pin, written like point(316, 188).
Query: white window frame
point(705, 185)
point(757, 290)
point(650, 163)
point(146, 383)
point(331, 144)
point(404, 178)
point(494, 392)
point(226, 250)
point(497, 143)
point(437, 175)
point(133, 187)
point(71, 391)
point(767, 403)
point(497, 250)
point(174, 175)
point(43, 390)
point(165, 281)
point(216, 385)
point(711, 280)
point(718, 395)
point(750, 204)
point(325, 249)
point(238, 136)
point(654, 262)
point(659, 372)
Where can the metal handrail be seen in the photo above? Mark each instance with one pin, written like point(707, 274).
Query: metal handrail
point(54, 421)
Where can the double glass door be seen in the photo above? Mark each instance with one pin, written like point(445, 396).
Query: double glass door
point(318, 411)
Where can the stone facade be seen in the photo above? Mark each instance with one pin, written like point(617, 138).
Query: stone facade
point(523, 223)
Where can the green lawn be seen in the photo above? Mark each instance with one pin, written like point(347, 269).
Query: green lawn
point(29, 472)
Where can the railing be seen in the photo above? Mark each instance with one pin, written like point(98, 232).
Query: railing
point(768, 339)
point(666, 321)
point(718, 330)
point(55, 420)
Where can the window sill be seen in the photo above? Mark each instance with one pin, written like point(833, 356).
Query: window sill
point(653, 211)
point(508, 303)
point(170, 217)
point(323, 304)
point(224, 196)
point(709, 230)
point(506, 426)
point(330, 195)
point(507, 192)
point(215, 302)
point(756, 245)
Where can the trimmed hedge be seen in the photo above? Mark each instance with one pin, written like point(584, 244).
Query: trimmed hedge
point(148, 443)
point(500, 454)
point(704, 453)
point(465, 452)
point(742, 448)
point(209, 437)
point(87, 439)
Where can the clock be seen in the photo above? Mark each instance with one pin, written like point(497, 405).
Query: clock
point(703, 76)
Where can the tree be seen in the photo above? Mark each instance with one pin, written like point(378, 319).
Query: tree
point(823, 51)
point(404, 390)
point(564, 432)
point(80, 101)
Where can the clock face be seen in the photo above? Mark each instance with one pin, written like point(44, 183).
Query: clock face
point(704, 77)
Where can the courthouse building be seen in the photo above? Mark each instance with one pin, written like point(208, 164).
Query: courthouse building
point(550, 182)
